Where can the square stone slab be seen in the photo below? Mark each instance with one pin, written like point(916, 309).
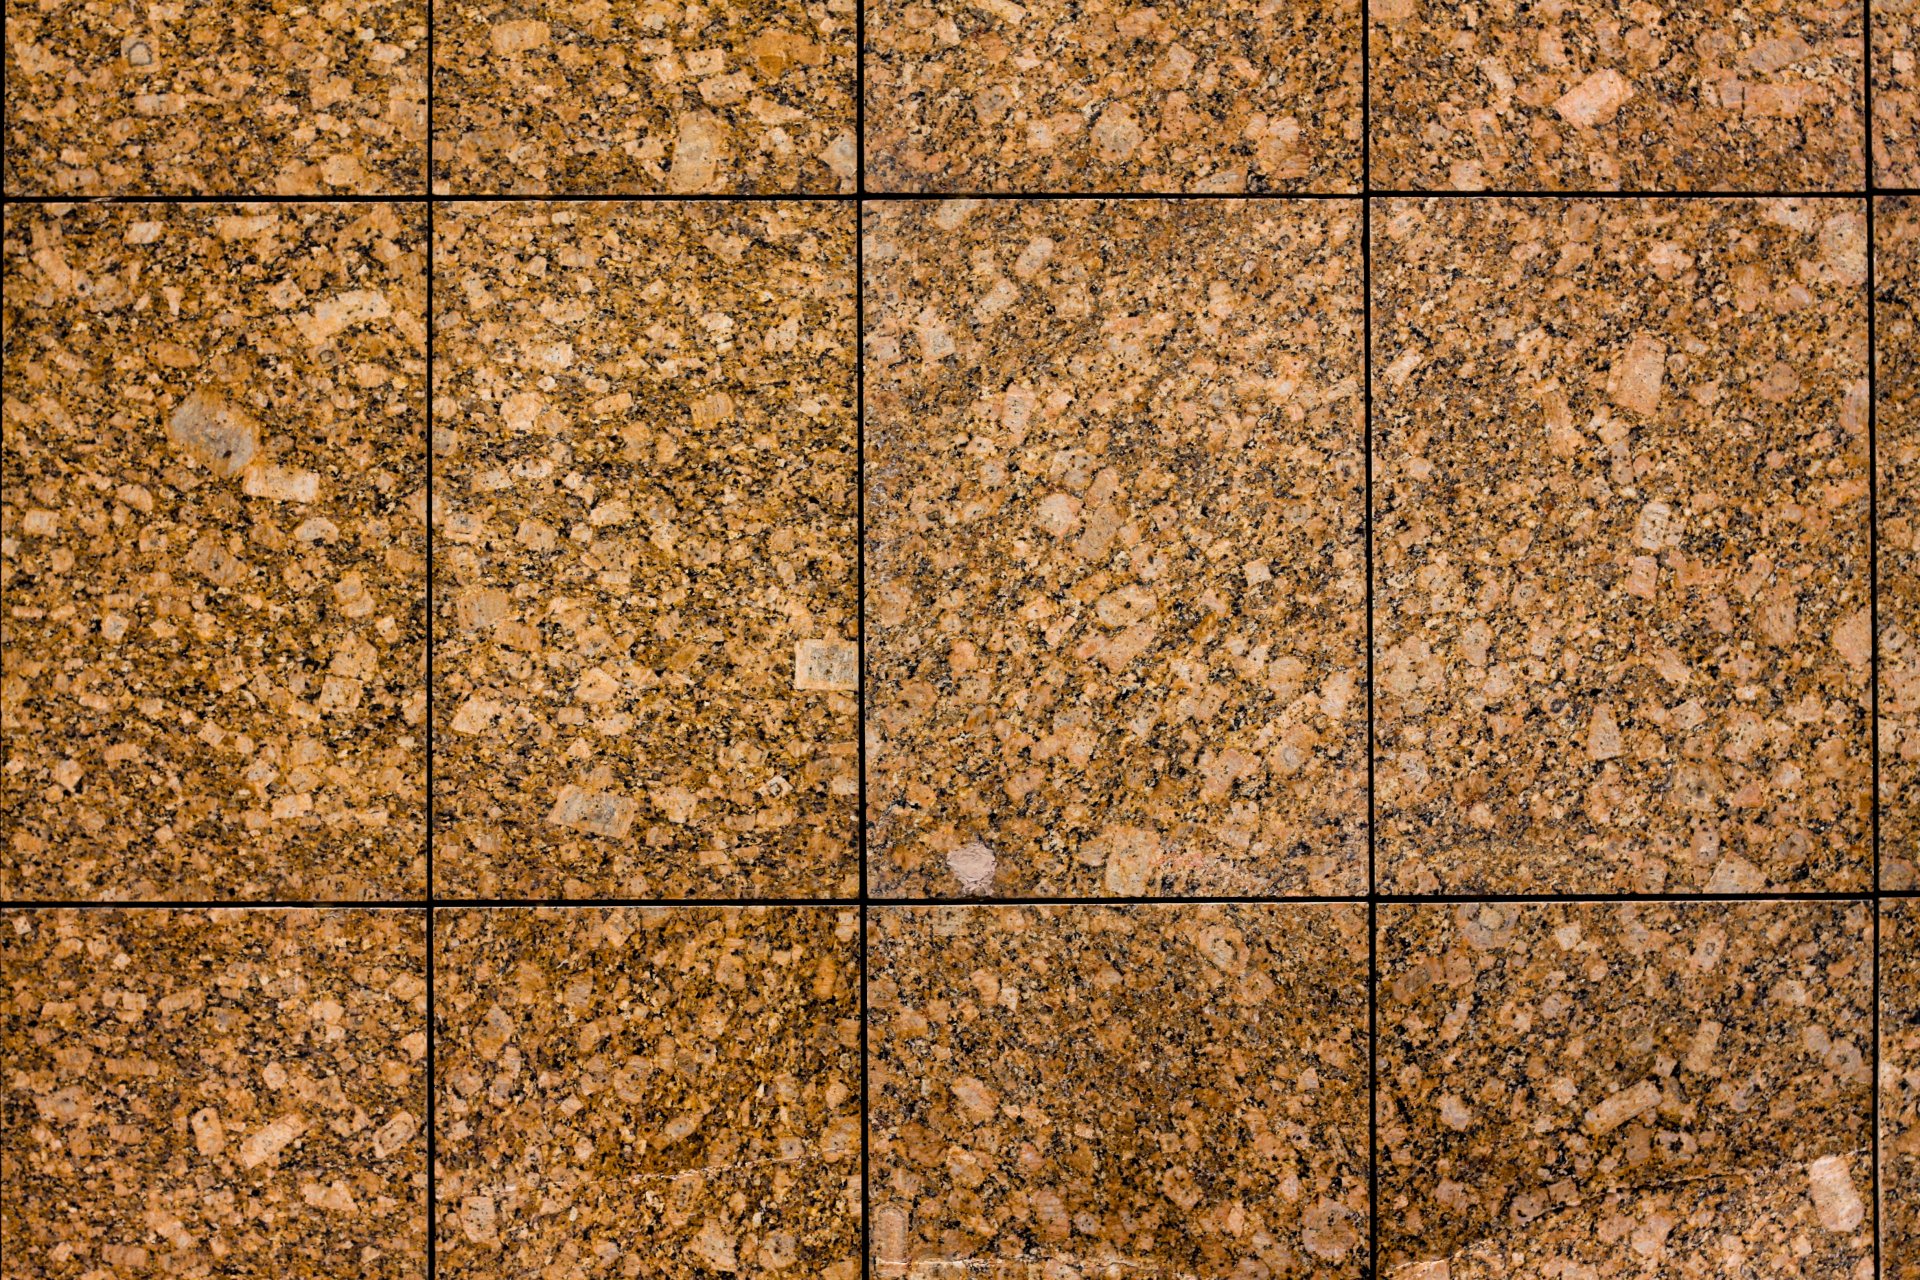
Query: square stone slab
point(1764, 95)
point(1620, 546)
point(667, 1092)
point(1207, 96)
point(1670, 1089)
point(1896, 93)
point(216, 99)
point(1115, 566)
point(546, 98)
point(233, 1092)
point(1900, 1087)
point(645, 551)
point(213, 548)
point(1151, 1090)
point(1897, 438)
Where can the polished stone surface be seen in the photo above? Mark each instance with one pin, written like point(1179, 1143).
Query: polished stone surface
point(213, 552)
point(213, 1093)
point(1115, 582)
point(216, 99)
point(1620, 546)
point(1641, 1089)
point(645, 560)
point(1897, 438)
point(1712, 95)
point(656, 1092)
point(1207, 96)
point(583, 97)
point(1154, 1090)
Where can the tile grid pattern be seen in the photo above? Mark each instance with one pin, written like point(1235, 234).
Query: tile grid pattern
point(1373, 899)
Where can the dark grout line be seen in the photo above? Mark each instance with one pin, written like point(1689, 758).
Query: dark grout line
point(1520, 899)
point(416, 198)
point(214, 904)
point(1873, 660)
point(1349, 900)
point(1012, 900)
point(433, 1036)
point(860, 645)
point(529, 904)
point(1366, 535)
point(1511, 194)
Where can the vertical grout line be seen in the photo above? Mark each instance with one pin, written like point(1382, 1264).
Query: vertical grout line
point(860, 582)
point(1873, 637)
point(1366, 530)
point(860, 648)
point(433, 1038)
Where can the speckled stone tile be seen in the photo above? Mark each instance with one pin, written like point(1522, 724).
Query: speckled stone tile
point(212, 549)
point(212, 99)
point(1900, 1087)
point(1625, 1089)
point(1897, 339)
point(667, 1092)
point(645, 670)
point(1714, 95)
point(213, 1093)
point(1896, 93)
point(1115, 583)
point(582, 97)
point(1161, 1090)
point(1057, 95)
point(1620, 542)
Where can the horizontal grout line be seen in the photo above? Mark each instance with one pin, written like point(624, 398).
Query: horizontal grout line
point(883, 197)
point(1018, 900)
point(1465, 899)
point(244, 199)
point(1354, 900)
point(212, 904)
point(440, 903)
point(1508, 194)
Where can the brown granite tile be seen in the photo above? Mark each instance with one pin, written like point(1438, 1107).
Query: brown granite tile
point(212, 548)
point(583, 97)
point(1897, 438)
point(1115, 586)
point(669, 1092)
point(1621, 546)
point(213, 1093)
point(1900, 1088)
point(1625, 1089)
point(646, 551)
point(1896, 93)
point(1056, 95)
point(1164, 1090)
point(213, 99)
point(1718, 95)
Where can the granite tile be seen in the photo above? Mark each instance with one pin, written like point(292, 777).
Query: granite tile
point(645, 671)
point(580, 97)
point(1896, 93)
point(1056, 95)
point(1625, 1089)
point(1722, 95)
point(210, 99)
point(1621, 545)
point(1897, 438)
point(213, 1093)
point(1900, 1087)
point(667, 1092)
point(212, 547)
point(1161, 1090)
point(1115, 583)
